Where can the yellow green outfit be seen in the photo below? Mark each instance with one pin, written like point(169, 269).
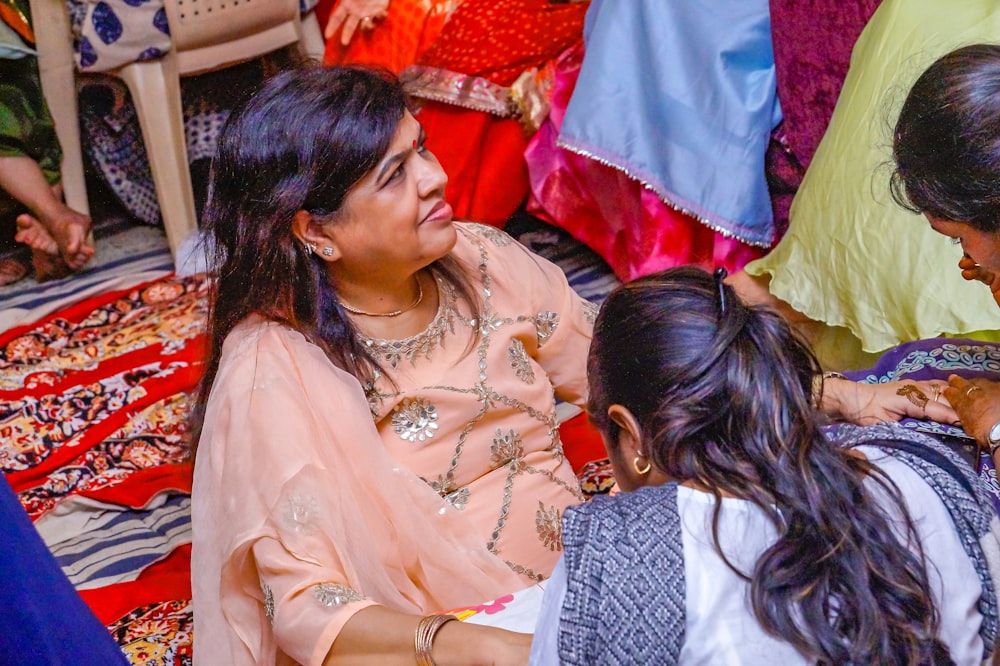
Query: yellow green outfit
point(852, 258)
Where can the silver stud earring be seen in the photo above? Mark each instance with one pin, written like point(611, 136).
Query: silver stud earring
point(310, 248)
point(328, 251)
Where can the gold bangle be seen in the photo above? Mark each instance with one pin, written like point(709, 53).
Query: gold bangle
point(423, 640)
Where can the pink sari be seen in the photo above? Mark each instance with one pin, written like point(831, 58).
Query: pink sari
point(631, 227)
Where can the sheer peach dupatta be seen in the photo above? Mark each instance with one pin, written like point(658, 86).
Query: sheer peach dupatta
point(293, 490)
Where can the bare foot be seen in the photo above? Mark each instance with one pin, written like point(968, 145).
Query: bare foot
point(31, 232)
point(11, 270)
point(49, 266)
point(69, 229)
point(45, 257)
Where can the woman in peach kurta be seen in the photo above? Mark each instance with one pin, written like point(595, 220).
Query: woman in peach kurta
point(439, 481)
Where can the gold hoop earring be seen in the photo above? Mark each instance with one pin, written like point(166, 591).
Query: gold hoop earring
point(641, 471)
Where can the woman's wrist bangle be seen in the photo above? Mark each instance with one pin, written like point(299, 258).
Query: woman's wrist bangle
point(817, 385)
point(423, 640)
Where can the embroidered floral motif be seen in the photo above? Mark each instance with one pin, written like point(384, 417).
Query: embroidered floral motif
point(517, 356)
point(498, 237)
point(548, 524)
point(335, 594)
point(459, 498)
point(415, 419)
point(545, 326)
point(268, 601)
point(590, 311)
point(301, 513)
point(438, 485)
point(489, 322)
point(506, 448)
point(556, 448)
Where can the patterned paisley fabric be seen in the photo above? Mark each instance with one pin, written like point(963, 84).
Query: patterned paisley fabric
point(113, 33)
point(94, 401)
point(938, 358)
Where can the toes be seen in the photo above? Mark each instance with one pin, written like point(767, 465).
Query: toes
point(11, 270)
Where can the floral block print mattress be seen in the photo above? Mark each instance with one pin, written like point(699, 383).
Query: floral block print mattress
point(93, 420)
point(94, 402)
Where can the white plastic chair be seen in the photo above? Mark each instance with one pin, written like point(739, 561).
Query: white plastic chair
point(206, 35)
point(54, 42)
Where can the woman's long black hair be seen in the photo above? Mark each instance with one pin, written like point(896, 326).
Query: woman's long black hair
point(299, 143)
point(946, 143)
point(723, 396)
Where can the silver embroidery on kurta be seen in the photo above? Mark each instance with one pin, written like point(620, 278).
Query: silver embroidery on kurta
point(517, 356)
point(507, 447)
point(301, 513)
point(391, 352)
point(459, 498)
point(548, 524)
point(496, 236)
point(414, 419)
point(489, 322)
point(545, 326)
point(507, 452)
point(508, 495)
point(524, 571)
point(335, 594)
point(268, 601)
point(590, 311)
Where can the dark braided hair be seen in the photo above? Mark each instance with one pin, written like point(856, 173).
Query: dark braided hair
point(723, 397)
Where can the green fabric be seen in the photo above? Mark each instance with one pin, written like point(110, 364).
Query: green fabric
point(26, 129)
point(851, 256)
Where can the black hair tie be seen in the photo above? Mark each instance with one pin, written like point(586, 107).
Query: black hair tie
point(720, 276)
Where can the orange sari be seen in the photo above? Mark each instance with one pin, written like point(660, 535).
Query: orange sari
point(470, 114)
point(396, 42)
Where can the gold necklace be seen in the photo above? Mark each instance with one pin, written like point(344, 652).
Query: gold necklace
point(394, 313)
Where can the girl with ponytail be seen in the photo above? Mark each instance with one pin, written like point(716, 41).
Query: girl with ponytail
point(747, 536)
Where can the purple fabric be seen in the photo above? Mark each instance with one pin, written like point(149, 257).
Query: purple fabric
point(937, 358)
point(812, 42)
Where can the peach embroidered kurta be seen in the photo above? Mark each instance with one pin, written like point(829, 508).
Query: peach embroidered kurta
point(441, 488)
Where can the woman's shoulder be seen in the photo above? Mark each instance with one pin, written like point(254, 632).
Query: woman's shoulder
point(260, 345)
point(654, 506)
point(483, 245)
point(256, 333)
point(493, 254)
